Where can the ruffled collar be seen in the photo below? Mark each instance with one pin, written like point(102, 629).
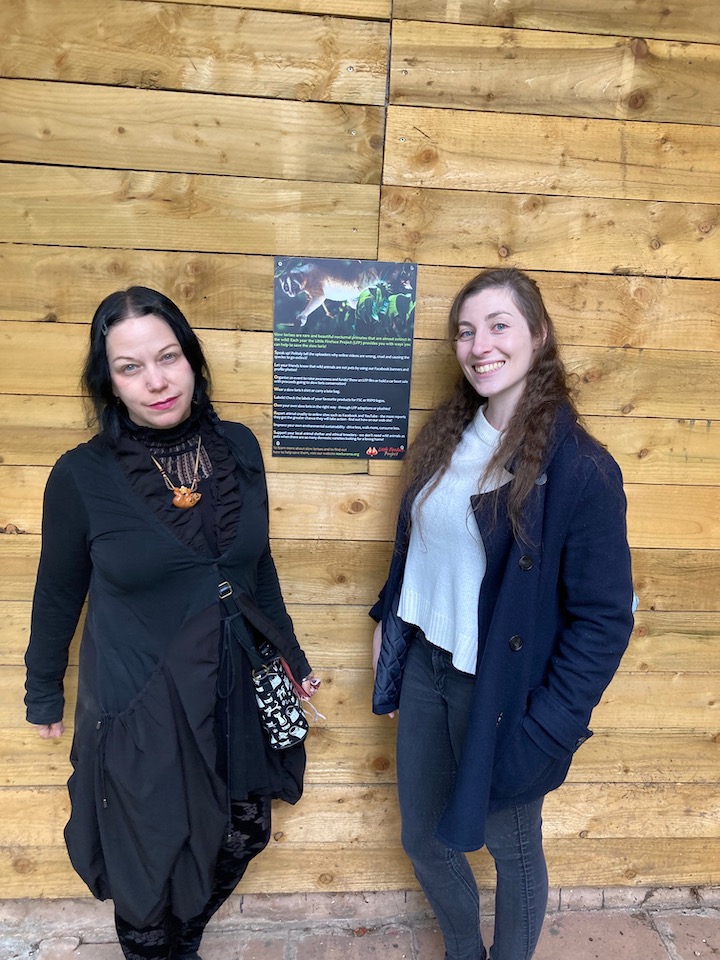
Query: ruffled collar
point(211, 526)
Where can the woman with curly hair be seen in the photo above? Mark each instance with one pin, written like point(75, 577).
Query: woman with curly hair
point(507, 609)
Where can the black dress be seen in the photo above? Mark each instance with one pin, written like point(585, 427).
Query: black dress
point(166, 727)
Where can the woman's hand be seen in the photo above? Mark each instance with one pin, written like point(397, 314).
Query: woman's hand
point(50, 731)
point(311, 685)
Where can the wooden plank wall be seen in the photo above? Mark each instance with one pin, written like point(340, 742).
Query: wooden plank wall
point(183, 144)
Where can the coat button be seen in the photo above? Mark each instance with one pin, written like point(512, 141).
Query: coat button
point(515, 643)
point(525, 562)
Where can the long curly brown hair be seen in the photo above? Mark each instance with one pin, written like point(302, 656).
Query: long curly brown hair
point(525, 440)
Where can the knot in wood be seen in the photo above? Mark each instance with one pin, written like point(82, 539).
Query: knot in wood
point(655, 243)
point(325, 879)
point(705, 227)
point(636, 100)
point(393, 202)
point(503, 251)
point(628, 408)
point(380, 764)
point(23, 866)
point(592, 376)
point(640, 48)
point(643, 452)
point(427, 157)
point(278, 835)
point(357, 506)
point(642, 294)
point(532, 204)
point(50, 318)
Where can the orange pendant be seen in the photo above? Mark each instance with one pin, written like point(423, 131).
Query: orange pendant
point(185, 498)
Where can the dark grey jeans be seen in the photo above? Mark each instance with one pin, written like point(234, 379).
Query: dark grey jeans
point(434, 708)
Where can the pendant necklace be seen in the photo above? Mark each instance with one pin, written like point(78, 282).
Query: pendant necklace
point(183, 497)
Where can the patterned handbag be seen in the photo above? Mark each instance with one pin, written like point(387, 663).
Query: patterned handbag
point(281, 713)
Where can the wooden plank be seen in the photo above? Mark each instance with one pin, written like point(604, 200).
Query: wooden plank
point(549, 233)
point(339, 637)
point(371, 9)
point(45, 360)
point(677, 579)
point(554, 73)
point(637, 703)
point(186, 212)
point(650, 450)
point(239, 360)
point(345, 508)
point(195, 47)
point(38, 429)
point(84, 126)
point(310, 571)
point(608, 382)
point(360, 507)
point(672, 516)
point(65, 284)
point(673, 642)
point(359, 815)
point(639, 18)
point(330, 573)
point(559, 156)
point(662, 313)
point(337, 814)
point(366, 755)
point(622, 757)
point(59, 284)
point(33, 872)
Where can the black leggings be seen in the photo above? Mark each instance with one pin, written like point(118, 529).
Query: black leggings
point(171, 939)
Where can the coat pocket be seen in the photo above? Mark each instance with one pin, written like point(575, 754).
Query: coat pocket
point(524, 765)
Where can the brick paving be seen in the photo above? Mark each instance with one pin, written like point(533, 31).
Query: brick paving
point(582, 924)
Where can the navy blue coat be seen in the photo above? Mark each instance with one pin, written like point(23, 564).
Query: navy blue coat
point(554, 619)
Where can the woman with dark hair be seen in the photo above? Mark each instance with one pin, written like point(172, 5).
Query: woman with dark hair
point(162, 520)
point(507, 609)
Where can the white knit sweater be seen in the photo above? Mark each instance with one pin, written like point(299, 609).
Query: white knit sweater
point(445, 563)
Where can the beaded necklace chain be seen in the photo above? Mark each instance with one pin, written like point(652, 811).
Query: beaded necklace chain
point(183, 497)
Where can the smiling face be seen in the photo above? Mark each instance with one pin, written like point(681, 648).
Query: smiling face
point(149, 371)
point(495, 349)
